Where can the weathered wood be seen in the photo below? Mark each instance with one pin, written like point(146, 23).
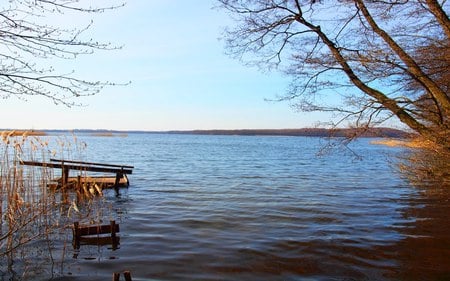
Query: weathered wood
point(127, 275)
point(78, 167)
point(91, 163)
point(66, 165)
point(76, 235)
point(64, 176)
point(118, 177)
point(86, 235)
point(99, 241)
point(114, 228)
point(101, 181)
point(99, 229)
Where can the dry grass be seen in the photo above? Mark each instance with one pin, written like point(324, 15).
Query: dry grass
point(410, 143)
point(425, 165)
point(32, 216)
point(20, 133)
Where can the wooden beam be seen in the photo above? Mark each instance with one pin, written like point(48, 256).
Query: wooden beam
point(91, 163)
point(78, 167)
point(98, 229)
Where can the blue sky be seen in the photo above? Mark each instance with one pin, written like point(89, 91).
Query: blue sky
point(180, 77)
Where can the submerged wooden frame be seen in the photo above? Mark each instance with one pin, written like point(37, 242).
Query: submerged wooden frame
point(94, 235)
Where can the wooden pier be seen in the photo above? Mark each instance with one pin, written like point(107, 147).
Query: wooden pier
point(119, 179)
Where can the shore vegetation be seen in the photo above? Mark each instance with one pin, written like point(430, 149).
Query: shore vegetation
point(35, 226)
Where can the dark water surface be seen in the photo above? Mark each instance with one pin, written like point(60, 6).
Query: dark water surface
point(263, 208)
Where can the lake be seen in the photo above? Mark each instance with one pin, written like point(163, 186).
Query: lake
point(258, 208)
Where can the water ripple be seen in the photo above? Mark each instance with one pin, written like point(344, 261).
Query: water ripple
point(255, 208)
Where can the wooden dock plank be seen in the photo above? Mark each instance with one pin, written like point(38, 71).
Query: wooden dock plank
point(77, 167)
point(90, 163)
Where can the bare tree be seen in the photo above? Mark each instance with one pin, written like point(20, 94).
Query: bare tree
point(366, 53)
point(29, 42)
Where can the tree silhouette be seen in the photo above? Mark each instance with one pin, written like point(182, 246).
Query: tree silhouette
point(364, 53)
point(29, 42)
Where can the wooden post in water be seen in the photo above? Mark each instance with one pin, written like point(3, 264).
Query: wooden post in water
point(113, 235)
point(64, 175)
point(76, 235)
point(119, 175)
point(126, 274)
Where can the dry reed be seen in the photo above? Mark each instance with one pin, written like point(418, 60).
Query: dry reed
point(32, 216)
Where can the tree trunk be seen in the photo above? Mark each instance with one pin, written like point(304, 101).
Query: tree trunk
point(414, 70)
point(384, 100)
point(441, 16)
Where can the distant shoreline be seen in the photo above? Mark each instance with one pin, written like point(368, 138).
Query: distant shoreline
point(302, 132)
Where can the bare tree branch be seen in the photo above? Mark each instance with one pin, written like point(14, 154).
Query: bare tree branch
point(336, 48)
point(26, 42)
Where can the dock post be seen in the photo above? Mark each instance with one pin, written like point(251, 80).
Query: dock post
point(78, 183)
point(113, 228)
point(127, 275)
point(65, 176)
point(113, 234)
point(119, 175)
point(116, 183)
point(76, 235)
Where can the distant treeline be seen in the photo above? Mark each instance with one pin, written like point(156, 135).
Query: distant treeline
point(305, 132)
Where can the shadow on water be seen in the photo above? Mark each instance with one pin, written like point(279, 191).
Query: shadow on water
point(424, 253)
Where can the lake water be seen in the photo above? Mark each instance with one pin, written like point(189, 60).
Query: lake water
point(257, 208)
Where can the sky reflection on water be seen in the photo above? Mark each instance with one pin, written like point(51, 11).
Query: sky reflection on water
point(253, 208)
